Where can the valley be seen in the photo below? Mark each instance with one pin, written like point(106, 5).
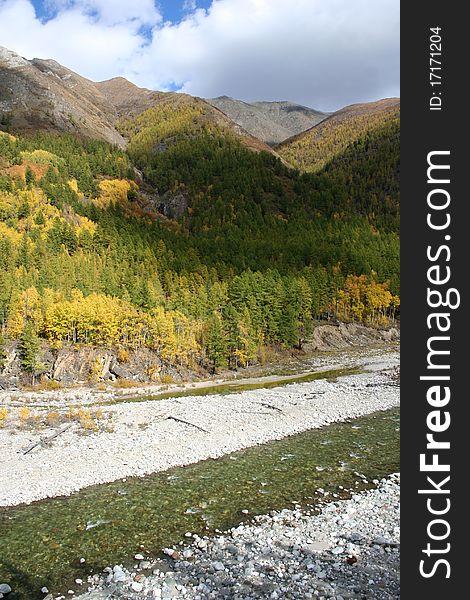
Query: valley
point(199, 299)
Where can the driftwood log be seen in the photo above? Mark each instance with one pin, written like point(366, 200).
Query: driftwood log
point(186, 423)
point(265, 404)
point(44, 440)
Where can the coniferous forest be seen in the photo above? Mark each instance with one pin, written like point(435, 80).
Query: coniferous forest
point(191, 244)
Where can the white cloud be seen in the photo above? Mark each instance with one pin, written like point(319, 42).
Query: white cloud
point(97, 47)
point(189, 5)
point(323, 53)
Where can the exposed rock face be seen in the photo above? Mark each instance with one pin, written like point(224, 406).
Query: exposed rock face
point(345, 335)
point(272, 122)
point(71, 365)
point(41, 94)
point(81, 365)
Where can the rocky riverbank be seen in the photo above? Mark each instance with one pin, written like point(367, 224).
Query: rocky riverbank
point(77, 369)
point(152, 436)
point(106, 392)
point(349, 550)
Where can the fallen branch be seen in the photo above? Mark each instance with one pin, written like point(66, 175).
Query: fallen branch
point(44, 440)
point(383, 385)
point(269, 406)
point(251, 412)
point(187, 423)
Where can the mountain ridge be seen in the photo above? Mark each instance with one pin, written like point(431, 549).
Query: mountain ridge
point(270, 121)
point(54, 97)
point(182, 241)
point(312, 149)
point(42, 94)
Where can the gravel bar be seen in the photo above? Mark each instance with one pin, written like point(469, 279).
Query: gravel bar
point(350, 549)
point(145, 440)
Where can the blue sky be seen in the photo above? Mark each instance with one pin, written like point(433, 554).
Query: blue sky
point(174, 10)
point(320, 53)
point(171, 10)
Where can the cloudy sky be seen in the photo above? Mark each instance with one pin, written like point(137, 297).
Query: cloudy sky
point(321, 53)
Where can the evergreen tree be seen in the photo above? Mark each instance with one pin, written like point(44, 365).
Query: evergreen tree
point(29, 177)
point(28, 349)
point(215, 342)
point(3, 354)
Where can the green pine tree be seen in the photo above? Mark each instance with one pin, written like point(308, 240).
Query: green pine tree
point(216, 344)
point(28, 349)
point(3, 354)
point(30, 178)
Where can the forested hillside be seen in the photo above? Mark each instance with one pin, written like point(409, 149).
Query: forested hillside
point(190, 243)
point(311, 150)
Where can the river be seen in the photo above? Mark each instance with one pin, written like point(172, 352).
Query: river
point(42, 543)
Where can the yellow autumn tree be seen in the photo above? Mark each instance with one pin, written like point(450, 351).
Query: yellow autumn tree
point(26, 306)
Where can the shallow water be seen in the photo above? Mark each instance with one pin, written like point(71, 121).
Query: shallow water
point(235, 387)
point(41, 544)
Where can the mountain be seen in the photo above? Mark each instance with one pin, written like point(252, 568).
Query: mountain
point(43, 95)
point(127, 98)
point(313, 149)
point(271, 122)
point(129, 101)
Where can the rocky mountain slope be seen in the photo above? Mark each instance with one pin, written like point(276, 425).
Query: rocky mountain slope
point(271, 122)
point(127, 98)
point(42, 94)
point(311, 150)
point(130, 101)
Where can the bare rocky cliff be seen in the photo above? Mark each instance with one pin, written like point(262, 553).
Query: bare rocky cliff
point(127, 98)
point(42, 94)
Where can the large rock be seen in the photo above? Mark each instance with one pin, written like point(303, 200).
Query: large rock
point(5, 588)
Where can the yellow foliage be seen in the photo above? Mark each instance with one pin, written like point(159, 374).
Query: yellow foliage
point(173, 335)
point(86, 418)
point(24, 414)
point(312, 150)
point(364, 299)
point(162, 122)
point(113, 191)
point(153, 372)
point(41, 157)
point(3, 416)
point(9, 233)
point(102, 320)
point(85, 225)
point(123, 355)
point(27, 306)
point(96, 371)
point(12, 138)
point(52, 418)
